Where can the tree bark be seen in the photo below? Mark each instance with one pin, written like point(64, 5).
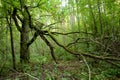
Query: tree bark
point(12, 47)
point(24, 49)
point(12, 43)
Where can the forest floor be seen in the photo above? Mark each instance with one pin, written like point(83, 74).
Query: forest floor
point(61, 71)
point(65, 70)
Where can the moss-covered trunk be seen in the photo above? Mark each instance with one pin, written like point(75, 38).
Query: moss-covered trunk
point(24, 49)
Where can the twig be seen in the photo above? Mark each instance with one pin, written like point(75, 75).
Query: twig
point(70, 33)
point(50, 25)
point(89, 71)
point(76, 41)
point(99, 43)
point(31, 76)
point(25, 74)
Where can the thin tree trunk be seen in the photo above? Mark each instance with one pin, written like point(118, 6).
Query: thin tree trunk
point(12, 43)
point(100, 17)
point(86, 35)
point(95, 30)
point(78, 18)
point(12, 47)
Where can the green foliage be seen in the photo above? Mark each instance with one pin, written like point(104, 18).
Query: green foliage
point(112, 72)
point(83, 76)
point(97, 21)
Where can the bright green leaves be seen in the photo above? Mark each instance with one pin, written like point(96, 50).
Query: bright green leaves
point(15, 3)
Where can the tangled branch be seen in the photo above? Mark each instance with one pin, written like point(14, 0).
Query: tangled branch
point(83, 53)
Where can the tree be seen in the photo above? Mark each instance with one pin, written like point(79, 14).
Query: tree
point(24, 14)
point(24, 31)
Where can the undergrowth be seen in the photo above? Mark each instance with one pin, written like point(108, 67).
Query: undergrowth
point(44, 68)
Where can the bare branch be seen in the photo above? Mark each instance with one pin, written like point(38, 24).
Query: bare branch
point(70, 33)
point(35, 78)
point(50, 46)
point(19, 17)
point(85, 61)
point(38, 5)
point(51, 25)
point(73, 42)
point(83, 53)
point(15, 19)
point(33, 39)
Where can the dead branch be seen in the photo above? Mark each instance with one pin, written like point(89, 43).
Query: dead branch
point(15, 19)
point(50, 46)
point(70, 33)
point(42, 33)
point(33, 39)
point(76, 41)
point(83, 53)
point(19, 18)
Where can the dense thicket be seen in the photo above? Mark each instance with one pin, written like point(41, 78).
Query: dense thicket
point(36, 31)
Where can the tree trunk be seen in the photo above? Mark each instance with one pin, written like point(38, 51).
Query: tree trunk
point(12, 42)
point(24, 49)
point(12, 47)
